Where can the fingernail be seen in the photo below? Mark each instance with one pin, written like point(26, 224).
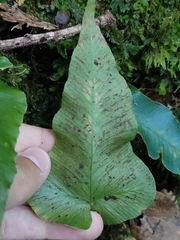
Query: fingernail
point(38, 157)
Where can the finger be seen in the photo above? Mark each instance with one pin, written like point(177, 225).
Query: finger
point(33, 167)
point(54, 231)
point(22, 223)
point(31, 136)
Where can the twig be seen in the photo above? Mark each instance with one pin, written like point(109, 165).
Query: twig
point(29, 39)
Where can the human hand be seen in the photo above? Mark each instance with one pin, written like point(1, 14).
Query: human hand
point(19, 220)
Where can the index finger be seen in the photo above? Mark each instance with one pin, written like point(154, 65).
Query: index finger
point(31, 136)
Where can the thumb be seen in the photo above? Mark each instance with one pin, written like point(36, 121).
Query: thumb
point(33, 167)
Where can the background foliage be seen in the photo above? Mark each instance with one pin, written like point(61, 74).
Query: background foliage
point(98, 170)
point(11, 119)
point(145, 43)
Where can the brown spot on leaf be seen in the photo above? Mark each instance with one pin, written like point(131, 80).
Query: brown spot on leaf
point(106, 198)
point(96, 62)
point(81, 165)
point(113, 197)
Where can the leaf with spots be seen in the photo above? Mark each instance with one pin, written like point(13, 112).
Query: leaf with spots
point(93, 166)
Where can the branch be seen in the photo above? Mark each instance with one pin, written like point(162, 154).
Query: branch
point(29, 39)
